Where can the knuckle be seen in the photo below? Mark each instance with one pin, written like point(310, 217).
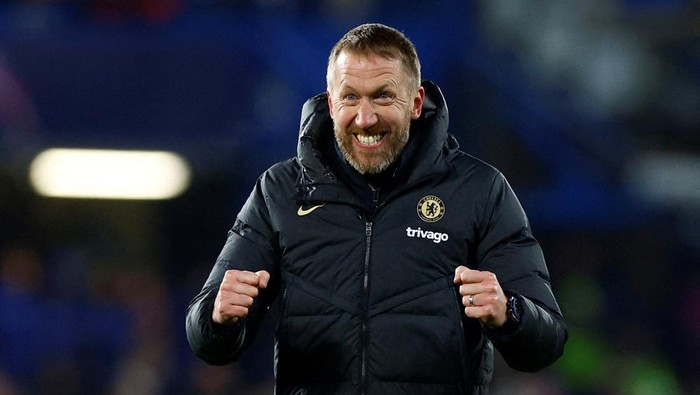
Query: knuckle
point(490, 279)
point(242, 311)
point(249, 301)
point(488, 310)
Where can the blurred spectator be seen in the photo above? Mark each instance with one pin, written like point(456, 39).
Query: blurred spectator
point(19, 121)
point(48, 344)
point(7, 386)
point(148, 365)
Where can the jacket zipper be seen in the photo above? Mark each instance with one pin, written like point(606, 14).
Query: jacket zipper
point(465, 371)
point(283, 316)
point(364, 380)
point(364, 383)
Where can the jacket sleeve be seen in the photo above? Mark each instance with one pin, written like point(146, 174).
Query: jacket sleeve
point(508, 249)
point(250, 246)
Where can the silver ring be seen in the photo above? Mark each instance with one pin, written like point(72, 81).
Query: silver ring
point(471, 300)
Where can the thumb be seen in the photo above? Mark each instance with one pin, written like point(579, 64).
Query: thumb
point(263, 278)
point(458, 274)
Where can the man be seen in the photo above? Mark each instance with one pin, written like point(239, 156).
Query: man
point(400, 261)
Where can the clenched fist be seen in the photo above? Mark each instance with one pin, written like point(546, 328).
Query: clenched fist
point(482, 296)
point(236, 294)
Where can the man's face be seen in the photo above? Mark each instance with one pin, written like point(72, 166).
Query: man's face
point(372, 102)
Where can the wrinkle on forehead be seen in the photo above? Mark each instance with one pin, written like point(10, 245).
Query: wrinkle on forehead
point(362, 67)
point(346, 58)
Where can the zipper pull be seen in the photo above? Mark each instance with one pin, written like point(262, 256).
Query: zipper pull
point(375, 197)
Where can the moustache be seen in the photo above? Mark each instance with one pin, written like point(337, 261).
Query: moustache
point(376, 129)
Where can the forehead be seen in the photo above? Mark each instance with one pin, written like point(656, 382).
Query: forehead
point(354, 67)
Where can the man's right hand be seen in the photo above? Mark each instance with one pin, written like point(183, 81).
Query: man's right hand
point(236, 294)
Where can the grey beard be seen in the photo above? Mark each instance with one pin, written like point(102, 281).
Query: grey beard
point(391, 156)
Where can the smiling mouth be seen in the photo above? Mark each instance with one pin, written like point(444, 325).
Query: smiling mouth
point(369, 141)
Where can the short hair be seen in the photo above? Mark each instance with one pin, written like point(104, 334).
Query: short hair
point(378, 39)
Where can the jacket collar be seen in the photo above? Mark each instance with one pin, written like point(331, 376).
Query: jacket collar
point(317, 181)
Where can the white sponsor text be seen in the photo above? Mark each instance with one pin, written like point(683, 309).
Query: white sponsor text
point(436, 237)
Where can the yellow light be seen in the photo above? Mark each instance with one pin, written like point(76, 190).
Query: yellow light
point(109, 174)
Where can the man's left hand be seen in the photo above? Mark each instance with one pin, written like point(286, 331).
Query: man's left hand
point(482, 296)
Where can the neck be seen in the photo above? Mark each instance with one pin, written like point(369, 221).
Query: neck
point(379, 180)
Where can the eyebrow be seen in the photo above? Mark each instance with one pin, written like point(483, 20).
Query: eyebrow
point(383, 88)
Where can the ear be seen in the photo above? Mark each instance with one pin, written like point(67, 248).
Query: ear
point(330, 103)
point(418, 97)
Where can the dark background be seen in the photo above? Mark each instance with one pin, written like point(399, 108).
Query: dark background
point(590, 108)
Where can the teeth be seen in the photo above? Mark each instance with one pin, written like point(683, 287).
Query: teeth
point(369, 140)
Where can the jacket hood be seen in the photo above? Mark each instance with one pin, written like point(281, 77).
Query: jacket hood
point(434, 143)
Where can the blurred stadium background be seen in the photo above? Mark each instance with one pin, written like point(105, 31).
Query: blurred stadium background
point(591, 108)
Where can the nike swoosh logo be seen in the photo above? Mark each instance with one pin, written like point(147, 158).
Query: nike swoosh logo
point(302, 212)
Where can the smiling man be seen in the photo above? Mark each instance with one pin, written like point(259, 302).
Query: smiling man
point(399, 260)
point(372, 101)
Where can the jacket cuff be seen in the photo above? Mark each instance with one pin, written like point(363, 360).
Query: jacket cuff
point(510, 328)
point(221, 331)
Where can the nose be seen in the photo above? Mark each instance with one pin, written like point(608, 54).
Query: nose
point(366, 117)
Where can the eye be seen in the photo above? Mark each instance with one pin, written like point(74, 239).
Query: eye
point(350, 97)
point(384, 97)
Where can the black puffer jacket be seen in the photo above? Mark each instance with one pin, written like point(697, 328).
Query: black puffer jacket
point(368, 304)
